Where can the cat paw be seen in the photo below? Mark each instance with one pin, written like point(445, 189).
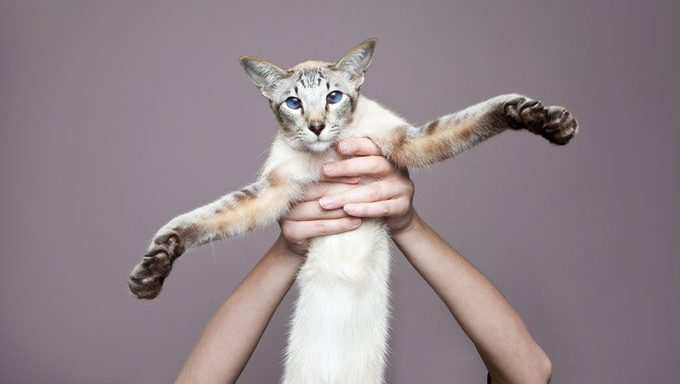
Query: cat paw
point(553, 123)
point(146, 279)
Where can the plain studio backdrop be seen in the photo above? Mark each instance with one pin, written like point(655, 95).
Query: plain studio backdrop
point(116, 116)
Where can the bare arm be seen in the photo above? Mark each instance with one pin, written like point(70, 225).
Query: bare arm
point(505, 345)
point(231, 335)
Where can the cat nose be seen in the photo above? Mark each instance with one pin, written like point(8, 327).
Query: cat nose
point(317, 127)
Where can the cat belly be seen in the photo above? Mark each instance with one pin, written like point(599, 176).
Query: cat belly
point(339, 329)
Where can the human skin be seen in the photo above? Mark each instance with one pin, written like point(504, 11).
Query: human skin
point(336, 205)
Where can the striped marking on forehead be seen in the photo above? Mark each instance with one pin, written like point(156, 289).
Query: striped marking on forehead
point(311, 77)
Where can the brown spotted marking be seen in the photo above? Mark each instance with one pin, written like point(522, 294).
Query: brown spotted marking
point(396, 147)
point(435, 141)
point(246, 193)
point(431, 127)
point(275, 180)
point(465, 133)
point(251, 208)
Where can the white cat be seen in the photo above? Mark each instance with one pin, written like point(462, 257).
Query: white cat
point(339, 330)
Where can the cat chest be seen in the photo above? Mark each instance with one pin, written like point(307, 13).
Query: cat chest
point(353, 256)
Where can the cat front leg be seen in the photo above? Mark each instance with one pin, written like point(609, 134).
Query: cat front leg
point(452, 134)
point(234, 214)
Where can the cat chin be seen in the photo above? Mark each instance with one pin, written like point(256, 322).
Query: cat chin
point(319, 146)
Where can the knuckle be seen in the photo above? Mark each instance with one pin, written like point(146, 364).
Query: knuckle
point(376, 163)
point(407, 205)
point(340, 167)
point(286, 230)
point(383, 166)
point(410, 188)
point(318, 189)
point(292, 233)
point(374, 191)
point(346, 224)
point(320, 227)
point(363, 142)
point(404, 186)
point(293, 213)
point(360, 146)
point(400, 206)
point(306, 210)
point(334, 189)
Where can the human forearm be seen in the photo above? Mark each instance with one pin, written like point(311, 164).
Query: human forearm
point(499, 334)
point(232, 333)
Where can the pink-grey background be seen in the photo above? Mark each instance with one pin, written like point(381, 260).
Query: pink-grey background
point(117, 115)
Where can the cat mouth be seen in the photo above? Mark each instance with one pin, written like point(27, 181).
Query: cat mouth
point(319, 145)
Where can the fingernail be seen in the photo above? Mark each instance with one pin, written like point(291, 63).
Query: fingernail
point(355, 222)
point(349, 208)
point(327, 202)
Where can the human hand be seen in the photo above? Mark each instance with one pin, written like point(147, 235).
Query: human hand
point(389, 196)
point(308, 220)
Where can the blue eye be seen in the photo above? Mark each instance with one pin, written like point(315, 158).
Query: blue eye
point(293, 103)
point(334, 97)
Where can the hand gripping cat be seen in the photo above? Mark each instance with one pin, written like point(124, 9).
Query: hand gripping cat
point(339, 328)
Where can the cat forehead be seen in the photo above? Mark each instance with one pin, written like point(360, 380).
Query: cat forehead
point(312, 74)
point(310, 64)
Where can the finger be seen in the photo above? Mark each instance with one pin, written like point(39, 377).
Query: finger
point(358, 146)
point(372, 166)
point(299, 231)
point(345, 180)
point(384, 208)
point(318, 190)
point(311, 210)
point(376, 191)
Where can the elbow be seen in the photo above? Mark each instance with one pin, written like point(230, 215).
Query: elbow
point(539, 371)
point(544, 368)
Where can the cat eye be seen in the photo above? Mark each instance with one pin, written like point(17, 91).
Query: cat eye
point(334, 97)
point(293, 103)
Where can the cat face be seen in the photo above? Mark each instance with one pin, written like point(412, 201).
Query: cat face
point(314, 100)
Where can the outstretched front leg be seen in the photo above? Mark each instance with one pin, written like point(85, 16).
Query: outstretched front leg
point(449, 135)
point(234, 214)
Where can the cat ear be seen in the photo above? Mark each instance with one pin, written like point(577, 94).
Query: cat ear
point(357, 60)
point(264, 74)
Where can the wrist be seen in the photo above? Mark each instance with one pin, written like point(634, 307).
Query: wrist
point(415, 226)
point(282, 252)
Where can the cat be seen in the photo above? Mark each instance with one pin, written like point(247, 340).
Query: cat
point(339, 329)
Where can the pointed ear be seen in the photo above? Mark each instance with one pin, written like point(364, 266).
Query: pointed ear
point(356, 61)
point(264, 74)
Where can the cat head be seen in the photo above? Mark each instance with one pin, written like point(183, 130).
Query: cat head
point(313, 101)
